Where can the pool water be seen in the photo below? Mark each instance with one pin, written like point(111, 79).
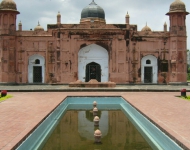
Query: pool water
point(75, 131)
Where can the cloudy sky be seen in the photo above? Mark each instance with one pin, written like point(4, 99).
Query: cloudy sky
point(140, 11)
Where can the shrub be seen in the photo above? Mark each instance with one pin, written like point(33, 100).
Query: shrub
point(188, 76)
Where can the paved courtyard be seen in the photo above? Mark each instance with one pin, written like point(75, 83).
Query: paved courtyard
point(25, 110)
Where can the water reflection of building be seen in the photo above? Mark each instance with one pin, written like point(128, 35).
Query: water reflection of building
point(121, 134)
point(86, 125)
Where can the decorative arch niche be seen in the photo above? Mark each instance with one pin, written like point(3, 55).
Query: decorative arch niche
point(5, 19)
point(11, 19)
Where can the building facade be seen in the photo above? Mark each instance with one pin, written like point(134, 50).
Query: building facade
point(92, 49)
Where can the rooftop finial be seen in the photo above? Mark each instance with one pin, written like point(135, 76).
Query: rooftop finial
point(92, 3)
point(127, 15)
point(38, 23)
point(20, 23)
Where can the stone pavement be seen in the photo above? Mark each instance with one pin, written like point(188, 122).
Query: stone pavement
point(66, 88)
point(20, 114)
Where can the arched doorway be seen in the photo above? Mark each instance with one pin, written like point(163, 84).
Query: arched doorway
point(149, 69)
point(93, 56)
point(36, 69)
point(93, 71)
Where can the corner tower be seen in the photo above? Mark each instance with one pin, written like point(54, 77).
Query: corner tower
point(177, 16)
point(178, 41)
point(8, 14)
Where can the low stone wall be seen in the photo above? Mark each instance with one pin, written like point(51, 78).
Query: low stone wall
point(92, 83)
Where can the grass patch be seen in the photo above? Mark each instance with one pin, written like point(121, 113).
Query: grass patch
point(186, 98)
point(5, 98)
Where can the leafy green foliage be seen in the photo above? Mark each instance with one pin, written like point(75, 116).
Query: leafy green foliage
point(188, 68)
point(188, 76)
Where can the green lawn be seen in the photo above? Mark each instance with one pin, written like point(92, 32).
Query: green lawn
point(186, 98)
point(5, 98)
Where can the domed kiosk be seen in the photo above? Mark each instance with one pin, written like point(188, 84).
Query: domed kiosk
point(8, 15)
point(92, 14)
point(177, 6)
point(8, 5)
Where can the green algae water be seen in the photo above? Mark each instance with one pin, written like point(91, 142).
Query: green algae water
point(75, 131)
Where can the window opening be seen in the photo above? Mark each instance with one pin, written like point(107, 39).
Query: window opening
point(37, 61)
point(148, 61)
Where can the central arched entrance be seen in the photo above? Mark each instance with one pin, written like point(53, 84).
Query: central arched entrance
point(93, 71)
point(93, 63)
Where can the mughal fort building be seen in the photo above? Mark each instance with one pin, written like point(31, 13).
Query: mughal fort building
point(93, 49)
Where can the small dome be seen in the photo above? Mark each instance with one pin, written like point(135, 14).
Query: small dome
point(8, 5)
point(127, 15)
point(95, 109)
point(146, 28)
point(177, 6)
point(97, 133)
point(58, 14)
point(93, 11)
point(96, 118)
point(38, 28)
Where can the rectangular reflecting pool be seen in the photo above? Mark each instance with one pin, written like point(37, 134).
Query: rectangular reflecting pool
point(76, 131)
point(70, 127)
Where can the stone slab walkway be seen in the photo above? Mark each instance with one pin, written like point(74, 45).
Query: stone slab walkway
point(25, 110)
point(118, 88)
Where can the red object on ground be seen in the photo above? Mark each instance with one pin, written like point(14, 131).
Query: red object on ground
point(183, 92)
point(3, 93)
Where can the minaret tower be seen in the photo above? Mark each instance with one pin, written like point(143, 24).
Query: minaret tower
point(20, 26)
point(8, 14)
point(178, 41)
point(127, 20)
point(58, 18)
point(165, 27)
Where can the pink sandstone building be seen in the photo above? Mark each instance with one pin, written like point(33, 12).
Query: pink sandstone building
point(93, 49)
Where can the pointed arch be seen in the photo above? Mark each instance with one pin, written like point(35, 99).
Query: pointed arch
point(11, 19)
point(93, 53)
